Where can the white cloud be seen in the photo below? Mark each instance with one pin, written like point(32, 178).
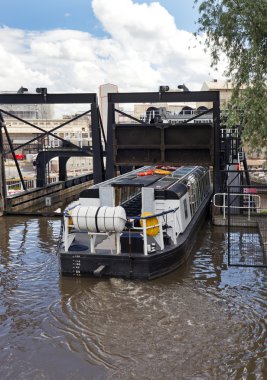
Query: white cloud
point(144, 49)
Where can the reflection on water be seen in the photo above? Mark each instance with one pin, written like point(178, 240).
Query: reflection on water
point(246, 248)
point(203, 321)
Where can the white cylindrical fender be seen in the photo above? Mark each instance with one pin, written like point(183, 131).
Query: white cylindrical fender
point(98, 219)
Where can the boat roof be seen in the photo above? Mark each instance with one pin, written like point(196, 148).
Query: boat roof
point(134, 179)
point(157, 181)
point(174, 182)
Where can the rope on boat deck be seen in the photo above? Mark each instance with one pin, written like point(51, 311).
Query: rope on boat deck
point(66, 213)
point(153, 215)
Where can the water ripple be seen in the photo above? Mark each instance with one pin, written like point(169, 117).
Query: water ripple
point(203, 321)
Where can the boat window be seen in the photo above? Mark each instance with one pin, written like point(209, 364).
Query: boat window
point(185, 209)
point(125, 193)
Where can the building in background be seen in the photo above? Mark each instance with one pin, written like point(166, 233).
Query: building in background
point(28, 111)
point(78, 132)
point(225, 89)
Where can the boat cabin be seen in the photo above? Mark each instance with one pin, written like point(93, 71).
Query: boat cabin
point(143, 212)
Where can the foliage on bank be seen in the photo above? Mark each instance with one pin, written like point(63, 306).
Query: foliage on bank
point(238, 30)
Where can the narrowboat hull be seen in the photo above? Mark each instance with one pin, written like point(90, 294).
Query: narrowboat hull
point(135, 265)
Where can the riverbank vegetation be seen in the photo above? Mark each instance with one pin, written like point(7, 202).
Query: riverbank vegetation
point(237, 29)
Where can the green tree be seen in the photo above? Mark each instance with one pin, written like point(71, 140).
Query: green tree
point(238, 30)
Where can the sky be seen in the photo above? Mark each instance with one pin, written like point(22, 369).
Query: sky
point(77, 45)
point(79, 14)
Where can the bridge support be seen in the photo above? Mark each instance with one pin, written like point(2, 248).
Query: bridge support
point(44, 157)
point(62, 168)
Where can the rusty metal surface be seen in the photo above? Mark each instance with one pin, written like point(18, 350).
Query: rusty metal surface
point(181, 144)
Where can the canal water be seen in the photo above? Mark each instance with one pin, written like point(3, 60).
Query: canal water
point(203, 321)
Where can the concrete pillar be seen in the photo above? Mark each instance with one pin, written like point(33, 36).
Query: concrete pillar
point(104, 90)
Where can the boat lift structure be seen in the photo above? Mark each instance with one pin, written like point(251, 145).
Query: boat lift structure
point(141, 143)
point(133, 144)
point(42, 97)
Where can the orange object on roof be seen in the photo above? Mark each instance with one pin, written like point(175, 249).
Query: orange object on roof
point(166, 167)
point(163, 172)
point(148, 172)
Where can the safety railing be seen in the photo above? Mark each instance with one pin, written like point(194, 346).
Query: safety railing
point(156, 226)
point(250, 203)
point(152, 225)
point(15, 186)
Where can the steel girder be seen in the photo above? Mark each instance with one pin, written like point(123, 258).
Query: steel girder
point(82, 98)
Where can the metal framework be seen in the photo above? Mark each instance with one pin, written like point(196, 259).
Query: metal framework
point(247, 225)
point(144, 143)
point(44, 98)
point(63, 154)
point(242, 209)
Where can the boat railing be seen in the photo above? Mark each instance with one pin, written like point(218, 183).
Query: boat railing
point(155, 229)
point(250, 203)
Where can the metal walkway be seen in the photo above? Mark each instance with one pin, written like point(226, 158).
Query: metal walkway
point(244, 215)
